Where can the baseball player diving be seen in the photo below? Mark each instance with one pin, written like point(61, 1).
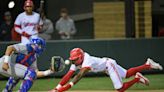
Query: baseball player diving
point(85, 62)
point(20, 62)
point(28, 23)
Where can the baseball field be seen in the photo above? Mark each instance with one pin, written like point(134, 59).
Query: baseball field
point(96, 84)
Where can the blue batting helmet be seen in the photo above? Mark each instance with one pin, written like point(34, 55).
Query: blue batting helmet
point(39, 43)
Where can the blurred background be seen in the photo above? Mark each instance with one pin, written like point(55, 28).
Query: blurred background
point(98, 19)
point(129, 31)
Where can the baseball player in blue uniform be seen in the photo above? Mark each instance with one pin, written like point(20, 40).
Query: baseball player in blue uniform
point(20, 62)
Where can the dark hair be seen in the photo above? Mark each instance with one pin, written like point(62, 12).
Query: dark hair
point(7, 13)
point(63, 10)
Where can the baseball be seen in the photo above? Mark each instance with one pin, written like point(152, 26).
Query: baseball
point(67, 62)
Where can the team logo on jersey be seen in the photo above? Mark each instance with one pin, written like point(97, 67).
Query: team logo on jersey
point(29, 24)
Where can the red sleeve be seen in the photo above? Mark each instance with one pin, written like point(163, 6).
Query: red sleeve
point(15, 36)
point(17, 26)
point(68, 86)
point(67, 77)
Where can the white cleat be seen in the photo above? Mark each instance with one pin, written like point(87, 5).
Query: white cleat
point(142, 79)
point(153, 64)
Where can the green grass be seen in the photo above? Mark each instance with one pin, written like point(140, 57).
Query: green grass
point(94, 83)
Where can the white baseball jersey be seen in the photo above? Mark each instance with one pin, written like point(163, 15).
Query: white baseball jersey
point(28, 24)
point(108, 65)
point(17, 69)
point(96, 64)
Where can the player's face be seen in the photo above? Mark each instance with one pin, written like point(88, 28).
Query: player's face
point(37, 48)
point(74, 61)
point(28, 9)
point(64, 15)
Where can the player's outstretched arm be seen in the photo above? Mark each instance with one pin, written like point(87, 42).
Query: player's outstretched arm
point(57, 65)
point(65, 79)
point(76, 78)
point(44, 73)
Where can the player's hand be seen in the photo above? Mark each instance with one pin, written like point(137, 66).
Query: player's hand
point(26, 34)
point(39, 28)
point(5, 66)
point(64, 88)
point(53, 70)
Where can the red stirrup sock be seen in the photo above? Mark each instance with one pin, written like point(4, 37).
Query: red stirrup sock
point(134, 70)
point(127, 85)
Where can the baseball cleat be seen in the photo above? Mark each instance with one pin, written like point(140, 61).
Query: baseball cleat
point(153, 64)
point(142, 79)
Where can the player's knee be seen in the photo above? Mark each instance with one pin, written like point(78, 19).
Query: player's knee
point(30, 75)
point(120, 88)
point(33, 74)
point(114, 61)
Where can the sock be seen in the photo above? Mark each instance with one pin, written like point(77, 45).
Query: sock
point(127, 85)
point(134, 70)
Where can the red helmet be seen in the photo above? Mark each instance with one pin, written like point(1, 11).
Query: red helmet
point(28, 3)
point(77, 55)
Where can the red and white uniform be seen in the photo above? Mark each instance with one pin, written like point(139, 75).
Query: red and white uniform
point(108, 65)
point(27, 23)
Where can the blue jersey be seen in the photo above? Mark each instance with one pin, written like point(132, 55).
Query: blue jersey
point(25, 55)
point(26, 60)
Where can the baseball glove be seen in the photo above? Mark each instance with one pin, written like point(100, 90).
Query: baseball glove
point(57, 63)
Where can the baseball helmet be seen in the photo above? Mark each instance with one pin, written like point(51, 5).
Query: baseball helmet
point(76, 56)
point(39, 44)
point(28, 3)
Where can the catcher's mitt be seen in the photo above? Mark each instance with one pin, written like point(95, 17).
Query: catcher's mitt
point(57, 63)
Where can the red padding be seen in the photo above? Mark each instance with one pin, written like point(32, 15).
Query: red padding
point(67, 77)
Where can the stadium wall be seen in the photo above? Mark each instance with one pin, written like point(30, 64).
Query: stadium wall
point(127, 52)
